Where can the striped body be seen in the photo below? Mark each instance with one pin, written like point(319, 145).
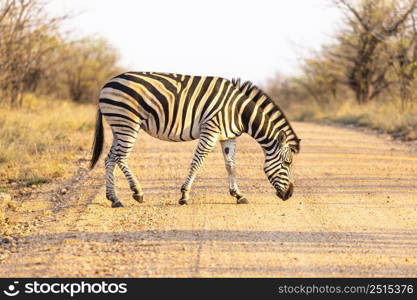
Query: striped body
point(171, 107)
point(178, 108)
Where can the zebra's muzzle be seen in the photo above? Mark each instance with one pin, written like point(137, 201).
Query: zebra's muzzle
point(285, 195)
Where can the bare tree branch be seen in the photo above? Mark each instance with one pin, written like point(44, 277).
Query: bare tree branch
point(357, 15)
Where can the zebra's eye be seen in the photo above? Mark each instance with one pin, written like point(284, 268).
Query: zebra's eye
point(288, 157)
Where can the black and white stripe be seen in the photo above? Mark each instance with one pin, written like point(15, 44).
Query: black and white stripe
point(180, 108)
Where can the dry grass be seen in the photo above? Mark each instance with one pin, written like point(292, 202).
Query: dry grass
point(385, 117)
point(38, 140)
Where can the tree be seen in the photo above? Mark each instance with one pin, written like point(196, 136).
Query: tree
point(35, 57)
point(88, 64)
point(27, 36)
point(320, 78)
point(368, 24)
point(405, 62)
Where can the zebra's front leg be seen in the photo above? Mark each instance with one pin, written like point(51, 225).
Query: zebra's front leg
point(229, 150)
point(205, 146)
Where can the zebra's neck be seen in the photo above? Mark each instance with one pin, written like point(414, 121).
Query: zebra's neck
point(263, 119)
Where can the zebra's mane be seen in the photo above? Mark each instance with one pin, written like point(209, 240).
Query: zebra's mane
point(250, 89)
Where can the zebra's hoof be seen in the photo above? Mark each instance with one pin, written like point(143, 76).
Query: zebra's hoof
point(138, 197)
point(117, 204)
point(182, 202)
point(242, 201)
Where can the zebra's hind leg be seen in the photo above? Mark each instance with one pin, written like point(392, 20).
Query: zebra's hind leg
point(205, 146)
point(123, 142)
point(133, 182)
point(110, 163)
point(229, 150)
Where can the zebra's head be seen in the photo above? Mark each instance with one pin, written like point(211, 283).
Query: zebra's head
point(278, 165)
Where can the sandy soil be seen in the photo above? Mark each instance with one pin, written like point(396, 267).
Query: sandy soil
point(353, 213)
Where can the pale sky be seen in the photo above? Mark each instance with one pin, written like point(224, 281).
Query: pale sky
point(229, 38)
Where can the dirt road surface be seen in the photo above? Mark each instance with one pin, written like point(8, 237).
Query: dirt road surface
point(353, 213)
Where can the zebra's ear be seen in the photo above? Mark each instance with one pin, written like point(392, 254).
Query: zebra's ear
point(282, 137)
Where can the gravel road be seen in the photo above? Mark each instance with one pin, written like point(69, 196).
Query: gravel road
point(353, 213)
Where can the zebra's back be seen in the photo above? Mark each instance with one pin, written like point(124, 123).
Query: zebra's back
point(167, 106)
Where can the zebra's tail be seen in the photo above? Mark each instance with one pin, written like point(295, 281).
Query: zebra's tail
point(98, 140)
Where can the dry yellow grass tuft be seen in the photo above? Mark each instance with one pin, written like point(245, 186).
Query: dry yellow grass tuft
point(384, 116)
point(38, 140)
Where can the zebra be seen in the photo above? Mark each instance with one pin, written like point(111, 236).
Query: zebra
point(175, 107)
